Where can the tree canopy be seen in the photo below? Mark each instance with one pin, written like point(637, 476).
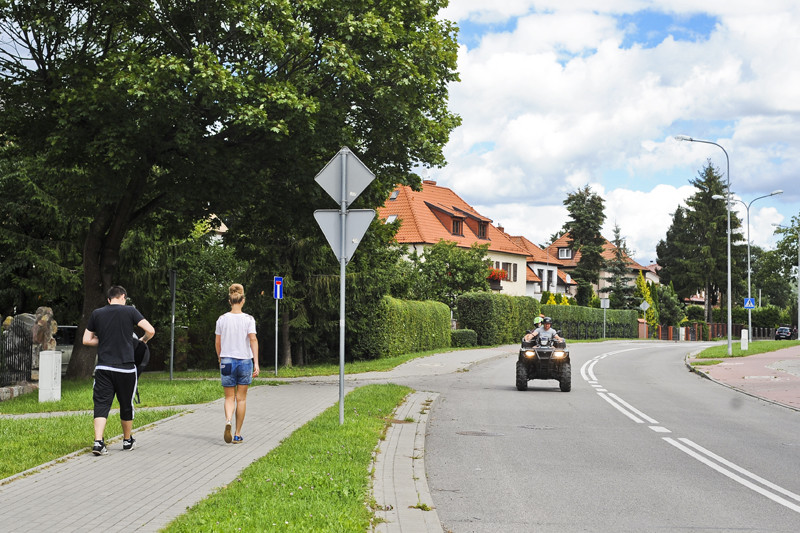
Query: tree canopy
point(587, 216)
point(620, 279)
point(694, 255)
point(119, 110)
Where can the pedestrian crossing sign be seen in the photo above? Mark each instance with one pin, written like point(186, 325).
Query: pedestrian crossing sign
point(749, 303)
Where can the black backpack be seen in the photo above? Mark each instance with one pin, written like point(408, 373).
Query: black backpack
point(141, 356)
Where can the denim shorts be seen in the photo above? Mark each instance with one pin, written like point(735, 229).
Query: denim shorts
point(236, 371)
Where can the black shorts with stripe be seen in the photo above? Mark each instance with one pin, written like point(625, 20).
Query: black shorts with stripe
point(109, 382)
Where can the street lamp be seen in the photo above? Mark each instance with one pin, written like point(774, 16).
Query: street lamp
point(728, 175)
point(747, 209)
point(798, 271)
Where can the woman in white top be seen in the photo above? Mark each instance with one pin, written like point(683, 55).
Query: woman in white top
point(237, 352)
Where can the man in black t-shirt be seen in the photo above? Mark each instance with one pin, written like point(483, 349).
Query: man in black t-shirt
point(110, 328)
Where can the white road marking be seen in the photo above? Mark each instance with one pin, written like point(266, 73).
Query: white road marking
point(724, 471)
point(690, 448)
point(632, 408)
point(620, 408)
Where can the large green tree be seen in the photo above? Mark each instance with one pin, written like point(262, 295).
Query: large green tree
point(620, 277)
point(771, 280)
point(447, 271)
point(694, 255)
point(586, 211)
point(787, 250)
point(39, 259)
point(672, 257)
point(123, 109)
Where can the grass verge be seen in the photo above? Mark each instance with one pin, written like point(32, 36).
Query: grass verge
point(721, 351)
point(31, 442)
point(155, 390)
point(318, 479)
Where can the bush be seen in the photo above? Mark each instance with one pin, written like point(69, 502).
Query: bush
point(406, 326)
point(695, 313)
point(578, 322)
point(496, 318)
point(463, 337)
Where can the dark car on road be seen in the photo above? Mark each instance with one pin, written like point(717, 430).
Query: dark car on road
point(783, 333)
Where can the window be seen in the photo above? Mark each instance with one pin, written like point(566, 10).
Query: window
point(394, 194)
point(457, 225)
point(481, 230)
point(390, 219)
point(511, 271)
point(564, 253)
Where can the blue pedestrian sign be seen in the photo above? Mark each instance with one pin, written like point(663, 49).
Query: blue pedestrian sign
point(749, 303)
point(277, 289)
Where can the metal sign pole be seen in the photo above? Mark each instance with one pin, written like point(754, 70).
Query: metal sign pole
point(277, 293)
point(343, 184)
point(173, 279)
point(342, 261)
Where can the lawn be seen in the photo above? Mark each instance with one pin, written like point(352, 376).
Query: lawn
point(318, 479)
point(756, 347)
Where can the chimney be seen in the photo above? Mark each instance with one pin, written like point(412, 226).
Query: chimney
point(428, 182)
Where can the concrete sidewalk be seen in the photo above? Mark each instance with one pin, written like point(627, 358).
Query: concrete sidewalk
point(772, 376)
point(181, 460)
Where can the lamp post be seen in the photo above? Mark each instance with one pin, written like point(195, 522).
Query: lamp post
point(728, 187)
point(747, 210)
point(798, 272)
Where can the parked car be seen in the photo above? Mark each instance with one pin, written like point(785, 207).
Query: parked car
point(783, 333)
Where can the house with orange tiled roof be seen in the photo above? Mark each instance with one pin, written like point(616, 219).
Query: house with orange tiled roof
point(569, 258)
point(437, 213)
point(542, 270)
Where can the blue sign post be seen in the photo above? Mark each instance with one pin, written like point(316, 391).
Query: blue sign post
point(277, 293)
point(749, 303)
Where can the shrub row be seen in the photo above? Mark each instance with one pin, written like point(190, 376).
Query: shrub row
point(587, 322)
point(496, 318)
point(406, 326)
point(463, 337)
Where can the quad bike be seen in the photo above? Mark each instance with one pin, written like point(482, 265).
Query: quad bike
point(544, 359)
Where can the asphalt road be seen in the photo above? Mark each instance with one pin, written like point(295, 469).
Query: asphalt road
point(640, 444)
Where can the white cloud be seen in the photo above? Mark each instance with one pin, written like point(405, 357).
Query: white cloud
point(558, 103)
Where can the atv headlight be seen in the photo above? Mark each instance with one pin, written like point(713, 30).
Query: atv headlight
point(558, 355)
point(529, 353)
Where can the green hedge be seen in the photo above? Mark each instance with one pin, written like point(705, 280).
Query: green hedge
point(496, 318)
point(767, 316)
point(464, 337)
point(576, 322)
point(405, 326)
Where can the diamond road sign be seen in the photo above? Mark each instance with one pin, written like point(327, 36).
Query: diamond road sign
point(358, 176)
point(749, 303)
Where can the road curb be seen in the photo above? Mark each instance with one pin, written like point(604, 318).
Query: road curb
point(729, 386)
point(400, 484)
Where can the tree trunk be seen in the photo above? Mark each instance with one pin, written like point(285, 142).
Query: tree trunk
point(286, 346)
point(298, 355)
point(100, 260)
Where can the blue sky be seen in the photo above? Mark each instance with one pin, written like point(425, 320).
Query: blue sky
point(558, 94)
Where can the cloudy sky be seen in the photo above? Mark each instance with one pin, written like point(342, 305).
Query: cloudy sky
point(558, 94)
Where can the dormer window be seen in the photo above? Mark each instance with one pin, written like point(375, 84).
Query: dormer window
point(565, 253)
point(482, 230)
point(394, 194)
point(458, 226)
point(390, 219)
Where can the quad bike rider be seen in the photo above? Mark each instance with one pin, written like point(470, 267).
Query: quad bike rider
point(543, 355)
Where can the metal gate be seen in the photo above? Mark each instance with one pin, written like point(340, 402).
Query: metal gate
point(16, 354)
